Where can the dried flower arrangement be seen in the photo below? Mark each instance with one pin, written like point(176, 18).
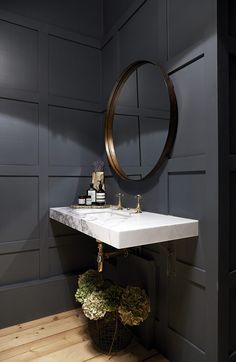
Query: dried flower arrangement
point(98, 174)
point(128, 306)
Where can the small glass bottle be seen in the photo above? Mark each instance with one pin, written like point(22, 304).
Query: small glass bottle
point(81, 200)
point(88, 201)
point(100, 196)
point(92, 193)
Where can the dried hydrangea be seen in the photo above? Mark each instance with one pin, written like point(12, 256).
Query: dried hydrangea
point(94, 306)
point(100, 300)
point(98, 166)
point(112, 297)
point(83, 292)
point(90, 277)
point(134, 306)
point(88, 282)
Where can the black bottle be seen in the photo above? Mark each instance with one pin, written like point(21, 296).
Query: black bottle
point(100, 196)
point(92, 192)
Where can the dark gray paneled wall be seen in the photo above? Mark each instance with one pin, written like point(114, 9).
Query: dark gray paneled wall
point(83, 17)
point(112, 11)
point(51, 130)
point(49, 90)
point(227, 175)
point(181, 35)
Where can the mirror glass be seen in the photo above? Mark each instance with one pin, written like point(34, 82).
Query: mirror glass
point(138, 122)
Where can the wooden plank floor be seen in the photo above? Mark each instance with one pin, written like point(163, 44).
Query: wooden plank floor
point(59, 338)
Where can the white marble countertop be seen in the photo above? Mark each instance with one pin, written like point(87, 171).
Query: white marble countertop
point(124, 229)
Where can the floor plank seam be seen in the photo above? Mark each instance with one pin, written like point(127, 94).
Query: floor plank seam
point(63, 337)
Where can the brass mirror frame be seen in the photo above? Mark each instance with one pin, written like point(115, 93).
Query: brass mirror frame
point(111, 106)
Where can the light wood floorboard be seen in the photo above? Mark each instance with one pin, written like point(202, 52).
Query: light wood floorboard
point(62, 337)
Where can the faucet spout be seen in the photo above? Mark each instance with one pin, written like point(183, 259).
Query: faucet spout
point(138, 207)
point(119, 205)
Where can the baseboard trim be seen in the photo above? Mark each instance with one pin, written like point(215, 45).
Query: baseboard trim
point(23, 302)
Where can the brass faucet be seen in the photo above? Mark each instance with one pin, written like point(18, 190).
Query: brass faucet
point(138, 207)
point(119, 205)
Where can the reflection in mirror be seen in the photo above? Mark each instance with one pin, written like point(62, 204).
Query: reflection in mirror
point(139, 132)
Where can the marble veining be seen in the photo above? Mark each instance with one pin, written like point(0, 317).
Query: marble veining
point(123, 229)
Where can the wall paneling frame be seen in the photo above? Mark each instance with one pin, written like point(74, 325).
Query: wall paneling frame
point(49, 103)
point(181, 35)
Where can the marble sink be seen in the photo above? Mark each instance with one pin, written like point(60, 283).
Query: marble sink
point(124, 228)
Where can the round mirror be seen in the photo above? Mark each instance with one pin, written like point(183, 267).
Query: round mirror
point(141, 121)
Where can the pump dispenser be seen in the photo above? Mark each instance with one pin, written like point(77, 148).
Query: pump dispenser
point(92, 193)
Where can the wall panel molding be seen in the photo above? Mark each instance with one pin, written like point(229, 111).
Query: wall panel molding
point(19, 170)
point(187, 164)
point(70, 65)
point(19, 20)
point(19, 122)
point(41, 240)
point(186, 64)
point(43, 152)
point(152, 42)
point(72, 36)
point(186, 294)
point(50, 288)
point(19, 57)
point(19, 198)
point(70, 171)
point(190, 138)
point(192, 273)
point(185, 58)
point(20, 95)
point(70, 103)
point(11, 267)
point(19, 246)
point(123, 20)
point(182, 349)
point(48, 29)
point(187, 174)
point(194, 18)
point(75, 137)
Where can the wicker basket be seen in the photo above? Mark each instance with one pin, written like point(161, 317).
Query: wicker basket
point(109, 335)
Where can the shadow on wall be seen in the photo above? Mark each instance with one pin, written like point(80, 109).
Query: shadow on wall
point(75, 137)
point(154, 199)
point(74, 255)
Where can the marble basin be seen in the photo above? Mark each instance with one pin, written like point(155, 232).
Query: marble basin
point(124, 228)
point(103, 212)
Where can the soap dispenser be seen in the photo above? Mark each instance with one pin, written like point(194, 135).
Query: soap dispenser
point(92, 193)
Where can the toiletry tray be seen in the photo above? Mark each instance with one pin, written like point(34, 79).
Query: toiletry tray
point(90, 206)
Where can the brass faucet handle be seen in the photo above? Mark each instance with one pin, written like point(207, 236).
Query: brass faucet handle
point(138, 207)
point(120, 197)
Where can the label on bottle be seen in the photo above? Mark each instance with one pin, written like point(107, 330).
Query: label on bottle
point(88, 201)
point(101, 197)
point(92, 193)
point(81, 200)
